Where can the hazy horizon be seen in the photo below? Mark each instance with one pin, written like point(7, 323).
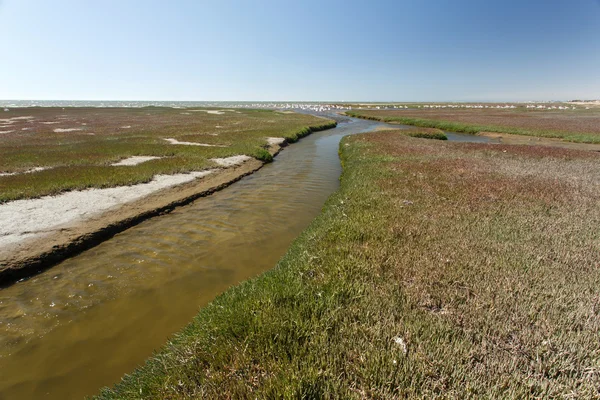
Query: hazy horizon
point(293, 101)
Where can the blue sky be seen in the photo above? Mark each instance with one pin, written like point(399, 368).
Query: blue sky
point(454, 50)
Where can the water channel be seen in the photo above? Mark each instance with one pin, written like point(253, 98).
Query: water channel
point(82, 324)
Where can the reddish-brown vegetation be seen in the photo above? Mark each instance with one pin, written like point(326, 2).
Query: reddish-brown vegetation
point(76, 146)
point(438, 270)
point(559, 121)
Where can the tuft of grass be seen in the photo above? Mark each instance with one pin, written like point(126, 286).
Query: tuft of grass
point(424, 133)
point(437, 270)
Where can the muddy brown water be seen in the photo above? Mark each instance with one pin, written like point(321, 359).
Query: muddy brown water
point(84, 323)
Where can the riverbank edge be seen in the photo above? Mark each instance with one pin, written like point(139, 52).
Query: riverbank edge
point(37, 255)
point(337, 318)
point(216, 314)
point(474, 129)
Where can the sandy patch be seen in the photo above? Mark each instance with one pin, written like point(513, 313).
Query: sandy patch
point(175, 141)
point(22, 219)
point(22, 118)
point(126, 127)
point(61, 130)
point(134, 160)
point(1, 132)
point(14, 239)
point(29, 171)
point(215, 112)
point(275, 140)
point(286, 112)
point(231, 161)
point(12, 120)
point(50, 122)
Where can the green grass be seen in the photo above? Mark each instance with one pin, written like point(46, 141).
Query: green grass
point(81, 159)
point(482, 259)
point(424, 133)
point(474, 129)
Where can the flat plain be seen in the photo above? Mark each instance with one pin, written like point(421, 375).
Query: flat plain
point(45, 151)
point(579, 124)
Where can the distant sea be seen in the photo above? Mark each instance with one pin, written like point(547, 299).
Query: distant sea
point(175, 104)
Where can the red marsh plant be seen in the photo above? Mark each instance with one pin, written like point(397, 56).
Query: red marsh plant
point(437, 270)
point(78, 145)
point(572, 125)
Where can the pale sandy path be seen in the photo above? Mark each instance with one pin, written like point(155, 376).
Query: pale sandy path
point(175, 141)
point(22, 220)
point(275, 140)
point(230, 161)
point(134, 160)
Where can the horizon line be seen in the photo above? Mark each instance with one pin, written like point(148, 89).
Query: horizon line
point(305, 101)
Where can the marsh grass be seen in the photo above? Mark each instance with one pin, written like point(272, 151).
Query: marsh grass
point(562, 130)
point(437, 270)
point(424, 133)
point(81, 159)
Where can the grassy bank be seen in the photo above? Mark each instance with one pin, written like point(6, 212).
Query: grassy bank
point(423, 133)
point(78, 145)
point(533, 124)
point(437, 270)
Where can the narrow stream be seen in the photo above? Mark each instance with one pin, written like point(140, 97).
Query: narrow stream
point(83, 324)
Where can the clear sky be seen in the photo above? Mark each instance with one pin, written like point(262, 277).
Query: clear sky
point(393, 50)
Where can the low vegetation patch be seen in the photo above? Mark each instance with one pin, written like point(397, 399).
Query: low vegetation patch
point(576, 126)
point(424, 133)
point(78, 146)
point(437, 270)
